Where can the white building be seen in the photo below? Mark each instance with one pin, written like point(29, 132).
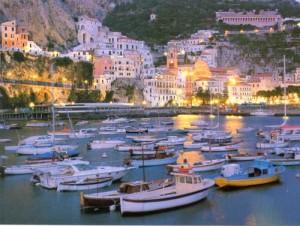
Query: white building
point(239, 93)
point(209, 55)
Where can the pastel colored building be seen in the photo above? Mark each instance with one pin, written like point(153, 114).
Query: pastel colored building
point(13, 37)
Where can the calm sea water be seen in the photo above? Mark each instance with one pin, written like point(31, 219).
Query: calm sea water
point(276, 204)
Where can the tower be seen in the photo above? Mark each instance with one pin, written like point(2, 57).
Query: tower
point(172, 61)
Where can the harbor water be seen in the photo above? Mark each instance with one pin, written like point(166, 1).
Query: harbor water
point(273, 204)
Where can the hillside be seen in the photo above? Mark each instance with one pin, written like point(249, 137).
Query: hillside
point(52, 23)
point(177, 18)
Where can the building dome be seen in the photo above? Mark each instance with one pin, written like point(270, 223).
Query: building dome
point(201, 69)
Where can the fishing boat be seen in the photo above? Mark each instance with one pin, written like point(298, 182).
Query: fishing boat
point(56, 153)
point(135, 147)
point(193, 161)
point(245, 156)
point(159, 158)
point(289, 159)
point(104, 144)
point(84, 133)
point(85, 184)
point(194, 145)
point(188, 189)
point(51, 179)
point(260, 172)
point(111, 199)
point(245, 130)
point(234, 146)
point(272, 143)
point(172, 140)
point(211, 136)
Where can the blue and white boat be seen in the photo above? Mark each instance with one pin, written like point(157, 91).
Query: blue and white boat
point(289, 159)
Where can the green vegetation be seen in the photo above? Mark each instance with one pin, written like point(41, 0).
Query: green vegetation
point(18, 56)
point(279, 92)
point(271, 47)
point(62, 61)
point(84, 96)
point(130, 93)
point(108, 96)
point(177, 18)
point(206, 97)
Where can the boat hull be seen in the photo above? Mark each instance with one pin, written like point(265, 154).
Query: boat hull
point(286, 162)
point(143, 206)
point(225, 182)
point(153, 162)
point(83, 186)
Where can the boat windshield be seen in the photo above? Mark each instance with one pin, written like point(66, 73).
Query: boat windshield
point(254, 172)
point(82, 167)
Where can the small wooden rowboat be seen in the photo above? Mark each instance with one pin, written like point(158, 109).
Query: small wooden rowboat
point(85, 184)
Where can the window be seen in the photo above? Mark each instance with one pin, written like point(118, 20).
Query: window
point(189, 180)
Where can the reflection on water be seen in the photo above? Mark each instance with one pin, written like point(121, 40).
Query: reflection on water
point(184, 121)
point(232, 123)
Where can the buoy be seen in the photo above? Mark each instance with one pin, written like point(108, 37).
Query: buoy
point(112, 208)
point(104, 155)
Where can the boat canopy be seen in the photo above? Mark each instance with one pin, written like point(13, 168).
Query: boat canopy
point(261, 164)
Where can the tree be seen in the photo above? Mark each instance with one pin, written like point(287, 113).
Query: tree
point(108, 96)
point(18, 56)
point(203, 95)
point(62, 61)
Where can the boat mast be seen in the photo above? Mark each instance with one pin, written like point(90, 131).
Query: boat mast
point(284, 86)
point(52, 107)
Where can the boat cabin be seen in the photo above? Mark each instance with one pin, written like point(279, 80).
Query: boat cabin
point(289, 130)
point(133, 187)
point(183, 181)
point(260, 168)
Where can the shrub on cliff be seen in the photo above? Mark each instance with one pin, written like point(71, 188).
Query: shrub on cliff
point(18, 56)
point(62, 61)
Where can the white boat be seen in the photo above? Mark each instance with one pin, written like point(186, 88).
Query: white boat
point(144, 139)
point(5, 140)
point(39, 140)
point(31, 168)
point(79, 172)
point(111, 199)
point(37, 124)
point(135, 147)
point(188, 189)
point(34, 150)
point(261, 112)
point(153, 160)
point(105, 144)
point(153, 151)
point(112, 132)
point(212, 136)
point(199, 123)
point(84, 184)
point(115, 121)
point(245, 130)
point(289, 159)
point(81, 123)
point(290, 132)
point(159, 129)
point(221, 147)
point(194, 145)
point(172, 140)
point(272, 143)
point(194, 161)
point(84, 133)
point(245, 156)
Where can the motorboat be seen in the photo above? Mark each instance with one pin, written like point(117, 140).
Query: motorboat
point(167, 123)
point(159, 158)
point(111, 199)
point(105, 144)
point(34, 150)
point(260, 172)
point(188, 189)
point(153, 151)
point(51, 179)
point(37, 124)
point(245, 156)
point(159, 129)
point(289, 133)
point(33, 167)
point(234, 146)
point(272, 143)
point(115, 121)
point(289, 159)
point(261, 112)
point(85, 184)
point(194, 145)
point(189, 162)
point(84, 133)
point(172, 140)
point(111, 131)
point(283, 151)
point(245, 130)
point(135, 147)
point(56, 153)
point(5, 140)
